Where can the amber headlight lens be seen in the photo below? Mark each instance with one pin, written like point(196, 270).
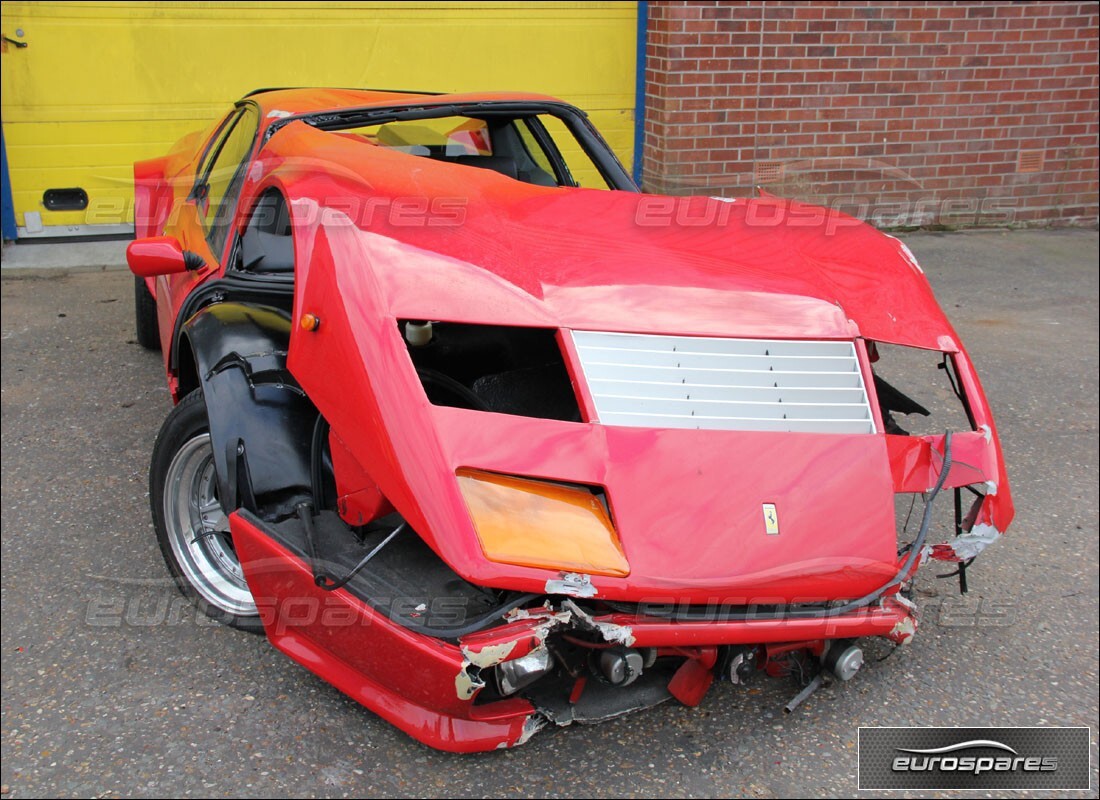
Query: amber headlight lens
point(531, 523)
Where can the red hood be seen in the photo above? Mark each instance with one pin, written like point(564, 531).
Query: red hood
point(493, 250)
point(688, 503)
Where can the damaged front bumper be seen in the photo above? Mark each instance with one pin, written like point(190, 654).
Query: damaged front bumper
point(444, 693)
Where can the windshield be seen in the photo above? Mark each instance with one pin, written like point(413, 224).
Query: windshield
point(540, 149)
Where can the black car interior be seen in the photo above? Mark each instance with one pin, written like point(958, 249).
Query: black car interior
point(510, 155)
point(266, 244)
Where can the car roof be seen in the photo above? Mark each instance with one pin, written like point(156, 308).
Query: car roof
point(292, 102)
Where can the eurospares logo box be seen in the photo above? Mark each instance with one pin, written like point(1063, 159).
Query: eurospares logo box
point(974, 758)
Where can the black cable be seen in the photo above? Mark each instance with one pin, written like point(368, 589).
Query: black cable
point(316, 461)
point(323, 581)
point(305, 514)
point(947, 368)
point(449, 384)
point(908, 514)
point(330, 585)
point(477, 624)
point(948, 365)
point(918, 543)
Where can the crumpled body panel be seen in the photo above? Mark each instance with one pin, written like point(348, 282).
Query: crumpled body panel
point(733, 518)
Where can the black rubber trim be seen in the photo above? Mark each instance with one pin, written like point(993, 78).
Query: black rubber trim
point(258, 290)
point(576, 120)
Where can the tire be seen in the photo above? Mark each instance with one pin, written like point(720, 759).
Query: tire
point(145, 316)
point(191, 525)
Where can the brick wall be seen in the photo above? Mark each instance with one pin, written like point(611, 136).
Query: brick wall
point(969, 113)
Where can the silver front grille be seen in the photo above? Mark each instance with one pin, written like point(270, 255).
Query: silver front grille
point(724, 384)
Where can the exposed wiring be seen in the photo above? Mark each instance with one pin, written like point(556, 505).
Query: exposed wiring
point(330, 585)
point(579, 642)
point(305, 514)
point(476, 624)
point(912, 505)
point(947, 367)
point(890, 652)
point(960, 570)
point(316, 461)
point(326, 582)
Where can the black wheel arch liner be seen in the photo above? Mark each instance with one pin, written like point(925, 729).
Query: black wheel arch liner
point(261, 422)
point(249, 290)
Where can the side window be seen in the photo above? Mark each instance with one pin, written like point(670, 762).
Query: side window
point(580, 169)
point(217, 190)
point(214, 141)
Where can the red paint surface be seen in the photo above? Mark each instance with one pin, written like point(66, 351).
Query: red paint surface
point(409, 679)
point(687, 504)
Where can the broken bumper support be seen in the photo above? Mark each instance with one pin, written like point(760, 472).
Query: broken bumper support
point(428, 687)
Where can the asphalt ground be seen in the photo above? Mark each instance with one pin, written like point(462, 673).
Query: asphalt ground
point(113, 686)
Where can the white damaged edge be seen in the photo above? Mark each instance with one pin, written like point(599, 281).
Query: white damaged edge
point(549, 621)
point(571, 584)
point(620, 634)
point(906, 253)
point(490, 655)
point(533, 725)
point(904, 630)
point(987, 432)
point(467, 685)
point(905, 601)
point(542, 613)
point(276, 113)
point(528, 613)
point(991, 487)
point(969, 544)
point(543, 630)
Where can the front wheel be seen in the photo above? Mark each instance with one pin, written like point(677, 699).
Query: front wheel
point(192, 527)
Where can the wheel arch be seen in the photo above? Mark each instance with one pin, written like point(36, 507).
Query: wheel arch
point(187, 371)
point(261, 422)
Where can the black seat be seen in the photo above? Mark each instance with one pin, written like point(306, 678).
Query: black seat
point(502, 164)
point(266, 252)
point(266, 244)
